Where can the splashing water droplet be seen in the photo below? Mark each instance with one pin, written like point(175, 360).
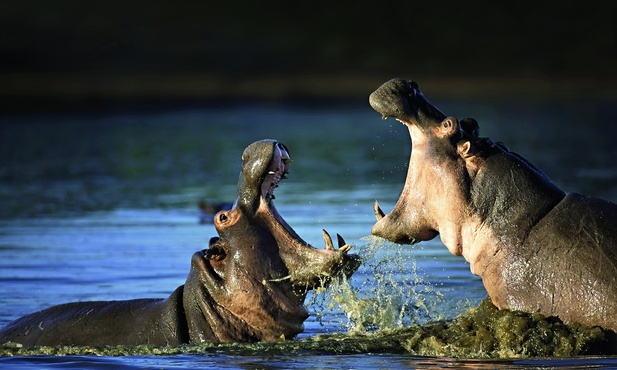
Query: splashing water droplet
point(387, 292)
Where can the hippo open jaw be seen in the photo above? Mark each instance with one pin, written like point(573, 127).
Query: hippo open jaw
point(403, 100)
point(306, 267)
point(217, 250)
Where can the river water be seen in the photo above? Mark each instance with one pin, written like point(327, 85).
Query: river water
point(104, 207)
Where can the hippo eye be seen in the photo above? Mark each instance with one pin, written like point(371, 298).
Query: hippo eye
point(222, 217)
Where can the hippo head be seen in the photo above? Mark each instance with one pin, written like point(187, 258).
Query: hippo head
point(250, 284)
point(437, 178)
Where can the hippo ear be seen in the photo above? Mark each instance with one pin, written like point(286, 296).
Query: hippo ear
point(464, 149)
point(447, 127)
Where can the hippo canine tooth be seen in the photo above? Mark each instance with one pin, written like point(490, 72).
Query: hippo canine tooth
point(345, 248)
point(342, 245)
point(378, 212)
point(328, 240)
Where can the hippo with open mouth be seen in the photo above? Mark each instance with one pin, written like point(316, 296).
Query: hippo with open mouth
point(249, 285)
point(537, 248)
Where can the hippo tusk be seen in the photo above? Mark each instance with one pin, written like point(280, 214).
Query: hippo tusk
point(342, 245)
point(378, 212)
point(328, 240)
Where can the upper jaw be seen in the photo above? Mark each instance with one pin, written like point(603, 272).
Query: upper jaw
point(392, 99)
point(403, 100)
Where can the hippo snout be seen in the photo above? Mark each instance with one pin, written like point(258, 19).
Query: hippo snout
point(392, 99)
point(400, 235)
point(397, 228)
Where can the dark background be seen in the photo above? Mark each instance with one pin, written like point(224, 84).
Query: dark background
point(73, 55)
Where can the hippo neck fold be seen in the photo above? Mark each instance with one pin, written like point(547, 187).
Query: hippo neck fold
point(505, 213)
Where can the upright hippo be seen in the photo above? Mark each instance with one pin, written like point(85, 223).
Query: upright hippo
point(250, 284)
point(536, 248)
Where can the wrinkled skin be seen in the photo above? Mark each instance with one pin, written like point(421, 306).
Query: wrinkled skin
point(249, 285)
point(536, 248)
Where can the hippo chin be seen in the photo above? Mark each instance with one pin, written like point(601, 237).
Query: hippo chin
point(536, 248)
point(249, 285)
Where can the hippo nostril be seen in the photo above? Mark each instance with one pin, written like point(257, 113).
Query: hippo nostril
point(223, 217)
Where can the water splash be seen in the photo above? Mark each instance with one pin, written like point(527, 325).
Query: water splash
point(386, 293)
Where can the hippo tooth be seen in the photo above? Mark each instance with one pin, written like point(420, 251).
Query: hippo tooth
point(328, 240)
point(271, 172)
point(340, 240)
point(378, 212)
point(342, 245)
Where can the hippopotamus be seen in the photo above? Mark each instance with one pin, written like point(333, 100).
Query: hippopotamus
point(536, 247)
point(248, 285)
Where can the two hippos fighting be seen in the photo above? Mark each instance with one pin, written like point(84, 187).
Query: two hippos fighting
point(536, 248)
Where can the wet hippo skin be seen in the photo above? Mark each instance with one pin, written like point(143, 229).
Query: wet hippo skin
point(536, 248)
point(249, 285)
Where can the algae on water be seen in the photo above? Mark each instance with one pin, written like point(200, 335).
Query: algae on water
point(486, 332)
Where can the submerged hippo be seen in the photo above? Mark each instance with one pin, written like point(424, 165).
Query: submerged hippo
point(536, 248)
point(250, 284)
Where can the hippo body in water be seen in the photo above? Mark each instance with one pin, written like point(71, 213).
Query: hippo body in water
point(249, 285)
point(537, 248)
